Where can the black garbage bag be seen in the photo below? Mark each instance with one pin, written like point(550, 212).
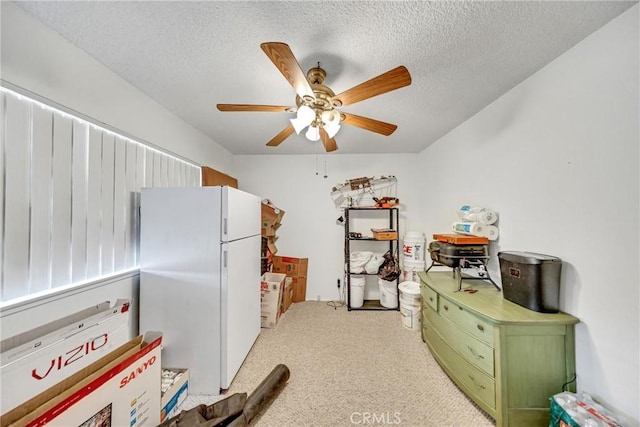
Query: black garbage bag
point(390, 268)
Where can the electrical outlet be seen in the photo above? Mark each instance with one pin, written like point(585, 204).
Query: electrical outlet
point(318, 298)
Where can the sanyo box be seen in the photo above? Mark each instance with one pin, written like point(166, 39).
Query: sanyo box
point(531, 280)
point(120, 389)
point(40, 358)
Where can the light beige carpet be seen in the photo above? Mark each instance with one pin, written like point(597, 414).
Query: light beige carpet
point(351, 368)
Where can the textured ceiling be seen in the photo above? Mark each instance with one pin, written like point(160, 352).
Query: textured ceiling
point(189, 56)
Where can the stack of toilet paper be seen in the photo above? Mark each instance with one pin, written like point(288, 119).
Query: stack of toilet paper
point(476, 221)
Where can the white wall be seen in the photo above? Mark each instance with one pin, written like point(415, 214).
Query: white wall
point(558, 157)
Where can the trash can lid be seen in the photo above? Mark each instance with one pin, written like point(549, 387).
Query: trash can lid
point(527, 257)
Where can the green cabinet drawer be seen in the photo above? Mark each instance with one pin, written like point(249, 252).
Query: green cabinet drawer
point(506, 358)
point(473, 350)
point(479, 386)
point(468, 321)
point(429, 296)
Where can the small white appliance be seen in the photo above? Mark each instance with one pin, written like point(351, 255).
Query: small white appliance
point(200, 279)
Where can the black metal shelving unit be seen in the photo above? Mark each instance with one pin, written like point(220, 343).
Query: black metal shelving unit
point(393, 248)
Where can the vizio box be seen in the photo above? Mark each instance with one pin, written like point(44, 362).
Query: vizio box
point(42, 357)
point(120, 389)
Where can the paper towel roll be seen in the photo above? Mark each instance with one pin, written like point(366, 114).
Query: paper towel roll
point(491, 232)
point(477, 214)
point(468, 228)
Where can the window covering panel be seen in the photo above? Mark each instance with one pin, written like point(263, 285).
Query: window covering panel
point(70, 196)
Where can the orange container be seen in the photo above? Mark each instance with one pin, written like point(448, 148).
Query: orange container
point(461, 239)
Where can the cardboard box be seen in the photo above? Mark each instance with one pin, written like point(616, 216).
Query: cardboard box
point(271, 293)
point(269, 230)
point(174, 391)
point(384, 234)
point(40, 358)
point(293, 267)
point(120, 389)
point(299, 289)
point(271, 215)
point(287, 299)
point(271, 245)
point(212, 177)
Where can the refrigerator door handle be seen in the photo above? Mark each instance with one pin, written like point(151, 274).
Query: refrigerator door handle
point(224, 259)
point(224, 227)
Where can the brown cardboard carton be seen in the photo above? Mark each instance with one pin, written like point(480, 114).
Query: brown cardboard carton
point(269, 230)
point(299, 289)
point(271, 245)
point(288, 294)
point(271, 215)
point(212, 177)
point(292, 267)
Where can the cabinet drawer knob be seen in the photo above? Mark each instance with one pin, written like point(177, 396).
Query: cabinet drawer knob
point(446, 307)
point(473, 352)
point(480, 327)
point(480, 386)
point(431, 299)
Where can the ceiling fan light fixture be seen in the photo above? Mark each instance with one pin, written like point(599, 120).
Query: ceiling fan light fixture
point(330, 117)
point(313, 133)
point(298, 125)
point(317, 105)
point(332, 129)
point(304, 118)
point(306, 114)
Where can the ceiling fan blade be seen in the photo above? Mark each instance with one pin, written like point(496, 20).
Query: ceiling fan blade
point(369, 124)
point(386, 82)
point(248, 107)
point(284, 60)
point(329, 143)
point(286, 133)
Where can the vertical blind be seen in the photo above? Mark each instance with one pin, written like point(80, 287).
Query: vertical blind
point(70, 193)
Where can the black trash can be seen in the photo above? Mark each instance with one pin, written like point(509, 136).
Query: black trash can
point(531, 280)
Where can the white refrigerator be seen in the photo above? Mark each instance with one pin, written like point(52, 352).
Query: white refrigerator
point(200, 279)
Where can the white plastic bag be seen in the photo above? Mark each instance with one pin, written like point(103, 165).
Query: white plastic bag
point(358, 261)
point(373, 265)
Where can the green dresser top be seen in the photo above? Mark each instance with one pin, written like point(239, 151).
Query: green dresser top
point(488, 301)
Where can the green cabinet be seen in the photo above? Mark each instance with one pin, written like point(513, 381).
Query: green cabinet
point(508, 359)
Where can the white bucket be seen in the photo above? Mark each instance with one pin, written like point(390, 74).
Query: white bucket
point(413, 246)
point(388, 293)
point(409, 276)
point(410, 314)
point(410, 270)
point(410, 293)
point(356, 290)
point(410, 302)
